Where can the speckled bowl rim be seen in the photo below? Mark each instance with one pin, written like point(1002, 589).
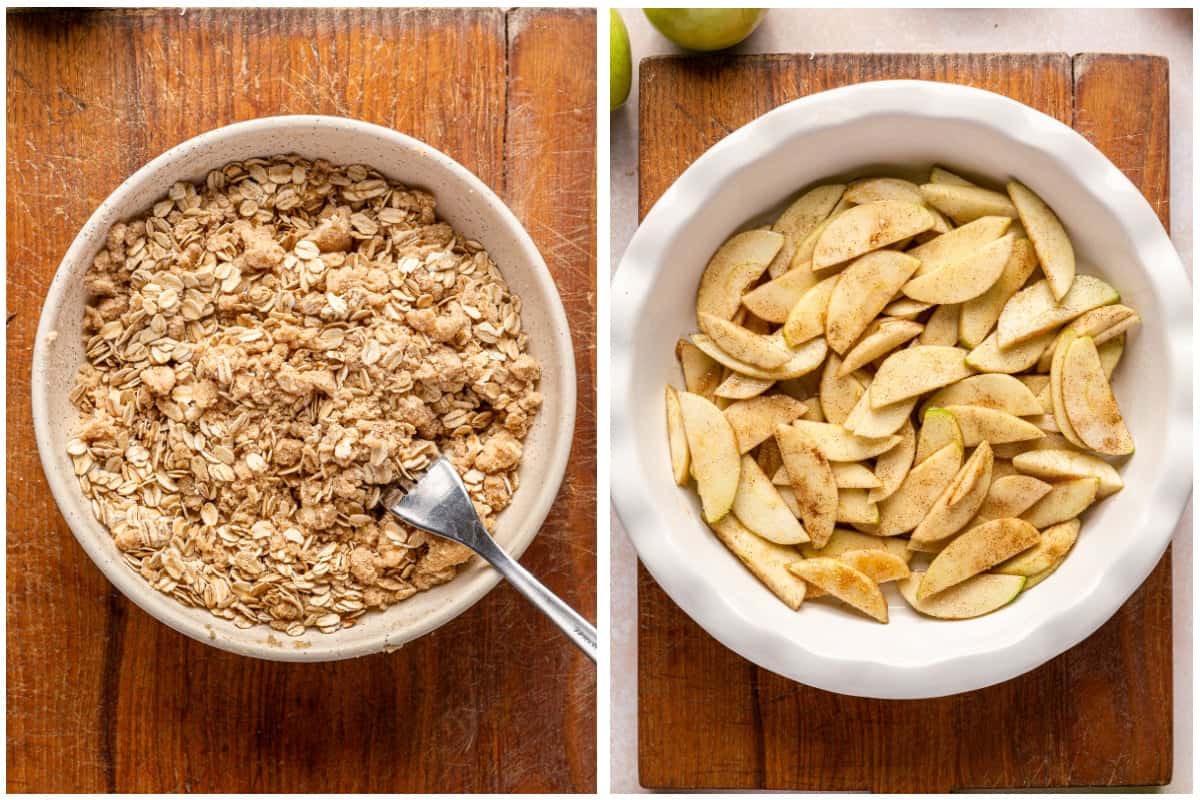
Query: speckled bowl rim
point(555, 420)
point(646, 516)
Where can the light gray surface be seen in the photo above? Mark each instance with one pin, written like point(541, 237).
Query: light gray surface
point(1157, 32)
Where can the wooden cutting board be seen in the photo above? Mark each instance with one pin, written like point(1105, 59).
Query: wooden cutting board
point(101, 697)
point(1098, 715)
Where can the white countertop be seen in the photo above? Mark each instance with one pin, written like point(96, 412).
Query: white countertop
point(1156, 32)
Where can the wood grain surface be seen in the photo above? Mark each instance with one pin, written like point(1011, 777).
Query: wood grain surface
point(101, 696)
point(1098, 715)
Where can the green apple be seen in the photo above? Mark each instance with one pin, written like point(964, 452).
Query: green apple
point(620, 61)
point(705, 28)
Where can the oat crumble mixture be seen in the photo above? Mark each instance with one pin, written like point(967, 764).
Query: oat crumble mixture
point(266, 353)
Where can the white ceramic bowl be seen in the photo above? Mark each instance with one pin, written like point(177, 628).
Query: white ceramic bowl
point(852, 132)
point(471, 208)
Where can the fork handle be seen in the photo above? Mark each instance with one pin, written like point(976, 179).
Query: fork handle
point(577, 629)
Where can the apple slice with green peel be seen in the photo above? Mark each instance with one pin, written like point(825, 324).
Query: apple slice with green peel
point(915, 370)
point(844, 582)
point(965, 204)
point(854, 508)
point(881, 337)
point(958, 244)
point(989, 357)
point(1011, 496)
point(1034, 580)
point(759, 507)
point(861, 229)
point(752, 348)
point(845, 540)
point(804, 359)
point(864, 288)
point(892, 467)
point(1034, 311)
point(975, 551)
point(1056, 542)
point(1089, 402)
point(848, 475)
point(959, 501)
point(733, 269)
point(965, 279)
point(875, 190)
point(701, 374)
point(908, 505)
point(942, 326)
point(939, 175)
point(802, 257)
point(812, 481)
point(767, 561)
point(974, 597)
point(1061, 347)
point(875, 422)
point(905, 308)
point(806, 319)
point(979, 424)
point(838, 393)
point(990, 390)
point(798, 220)
point(1054, 465)
point(1103, 324)
point(839, 444)
point(714, 452)
point(938, 429)
point(755, 420)
point(980, 314)
point(740, 387)
point(878, 565)
point(774, 299)
point(1066, 500)
point(681, 461)
point(1049, 239)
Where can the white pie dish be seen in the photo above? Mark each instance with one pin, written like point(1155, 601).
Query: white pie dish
point(472, 209)
point(852, 132)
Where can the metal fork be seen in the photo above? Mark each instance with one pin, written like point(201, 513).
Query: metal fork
point(438, 503)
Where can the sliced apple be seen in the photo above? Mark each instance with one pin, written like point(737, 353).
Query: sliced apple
point(752, 348)
point(880, 338)
point(1051, 441)
point(938, 429)
point(839, 444)
point(861, 229)
point(767, 561)
point(958, 244)
point(1061, 346)
point(864, 288)
point(1034, 311)
point(848, 475)
point(979, 424)
point(803, 255)
point(714, 453)
point(942, 326)
point(1066, 500)
point(854, 508)
point(1039, 386)
point(892, 467)
point(1049, 239)
point(974, 551)
point(681, 461)
point(875, 422)
point(734, 268)
point(812, 481)
point(1089, 402)
point(1061, 464)
point(755, 420)
point(878, 565)
point(973, 597)
point(989, 357)
point(701, 374)
point(875, 190)
point(1011, 496)
point(798, 220)
point(959, 501)
point(804, 359)
point(1105, 323)
point(806, 319)
point(741, 387)
point(1056, 542)
point(1110, 354)
point(939, 175)
point(1001, 467)
point(845, 540)
point(915, 370)
point(979, 314)
point(965, 279)
point(839, 394)
point(908, 505)
point(759, 507)
point(990, 390)
point(774, 299)
point(905, 308)
point(965, 204)
point(845, 583)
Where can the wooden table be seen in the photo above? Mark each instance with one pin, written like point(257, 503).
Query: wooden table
point(103, 698)
point(1098, 715)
